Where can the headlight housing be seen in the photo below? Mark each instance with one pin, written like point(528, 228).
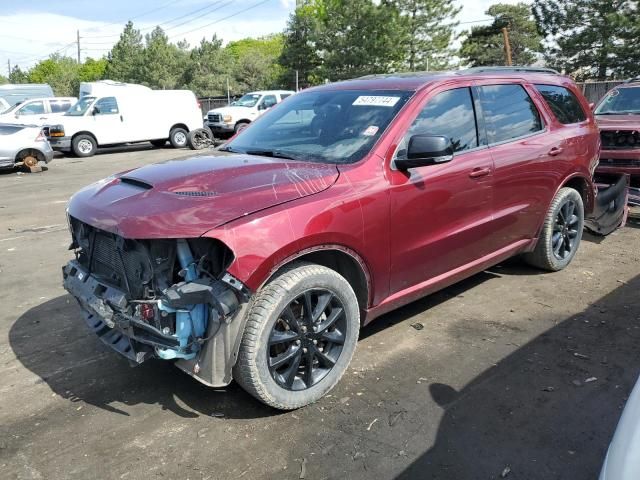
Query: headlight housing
point(227, 118)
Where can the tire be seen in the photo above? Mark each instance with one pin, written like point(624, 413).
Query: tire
point(199, 139)
point(559, 240)
point(84, 146)
point(267, 321)
point(240, 126)
point(178, 137)
point(158, 143)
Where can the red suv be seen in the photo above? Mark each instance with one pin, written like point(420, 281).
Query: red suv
point(338, 205)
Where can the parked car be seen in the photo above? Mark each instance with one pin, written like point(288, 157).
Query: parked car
point(344, 202)
point(111, 113)
point(623, 456)
point(618, 116)
point(4, 106)
point(19, 92)
point(37, 111)
point(23, 145)
point(243, 111)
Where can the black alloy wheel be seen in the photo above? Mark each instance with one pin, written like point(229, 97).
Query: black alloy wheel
point(565, 230)
point(307, 339)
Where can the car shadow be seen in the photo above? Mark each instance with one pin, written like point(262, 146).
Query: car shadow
point(548, 410)
point(51, 340)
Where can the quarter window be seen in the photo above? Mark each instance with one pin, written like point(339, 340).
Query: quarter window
point(60, 106)
point(269, 101)
point(563, 104)
point(106, 106)
point(450, 114)
point(509, 112)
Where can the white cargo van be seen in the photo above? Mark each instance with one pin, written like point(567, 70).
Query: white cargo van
point(111, 113)
point(14, 93)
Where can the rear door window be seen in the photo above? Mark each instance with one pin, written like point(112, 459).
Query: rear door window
point(563, 103)
point(59, 106)
point(449, 113)
point(269, 101)
point(509, 112)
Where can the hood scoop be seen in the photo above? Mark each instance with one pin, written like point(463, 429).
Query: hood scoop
point(136, 183)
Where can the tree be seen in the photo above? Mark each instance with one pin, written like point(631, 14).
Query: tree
point(355, 38)
point(427, 32)
point(299, 52)
point(161, 61)
point(256, 61)
point(208, 69)
point(17, 75)
point(3, 80)
point(59, 72)
point(92, 70)
point(591, 38)
point(125, 58)
point(485, 44)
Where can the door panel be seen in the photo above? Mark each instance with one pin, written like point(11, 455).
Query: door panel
point(108, 126)
point(440, 215)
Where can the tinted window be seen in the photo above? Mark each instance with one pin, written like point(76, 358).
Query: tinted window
point(106, 106)
point(450, 114)
point(509, 112)
point(284, 95)
point(563, 103)
point(33, 108)
point(59, 106)
point(269, 101)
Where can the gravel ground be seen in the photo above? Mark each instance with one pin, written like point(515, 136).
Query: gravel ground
point(510, 374)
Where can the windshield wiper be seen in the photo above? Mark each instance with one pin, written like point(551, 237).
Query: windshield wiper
point(270, 153)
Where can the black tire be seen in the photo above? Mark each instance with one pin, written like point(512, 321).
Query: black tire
point(178, 137)
point(255, 370)
point(199, 139)
point(559, 238)
point(84, 146)
point(240, 126)
point(158, 143)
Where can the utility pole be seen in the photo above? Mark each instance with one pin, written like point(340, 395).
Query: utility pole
point(297, 86)
point(507, 46)
point(9, 66)
point(228, 93)
point(78, 36)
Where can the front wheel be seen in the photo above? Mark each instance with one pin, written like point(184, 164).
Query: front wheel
point(561, 233)
point(84, 146)
point(299, 338)
point(178, 137)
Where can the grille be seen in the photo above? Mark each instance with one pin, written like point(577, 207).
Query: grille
point(620, 139)
point(615, 162)
point(215, 117)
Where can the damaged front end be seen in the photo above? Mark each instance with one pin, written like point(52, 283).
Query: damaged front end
point(610, 208)
point(169, 299)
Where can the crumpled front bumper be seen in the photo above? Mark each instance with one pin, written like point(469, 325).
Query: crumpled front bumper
point(104, 310)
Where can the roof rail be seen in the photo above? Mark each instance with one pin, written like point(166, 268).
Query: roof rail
point(498, 69)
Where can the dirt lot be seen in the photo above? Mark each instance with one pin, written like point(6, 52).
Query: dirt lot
point(493, 386)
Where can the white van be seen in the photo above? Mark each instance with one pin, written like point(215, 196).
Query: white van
point(13, 93)
point(112, 113)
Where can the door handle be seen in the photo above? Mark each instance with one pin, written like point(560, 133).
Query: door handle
point(479, 172)
point(121, 119)
point(555, 151)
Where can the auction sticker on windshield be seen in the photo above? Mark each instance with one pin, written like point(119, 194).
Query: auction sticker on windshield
point(376, 101)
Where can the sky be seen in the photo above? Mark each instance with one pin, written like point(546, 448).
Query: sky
point(30, 30)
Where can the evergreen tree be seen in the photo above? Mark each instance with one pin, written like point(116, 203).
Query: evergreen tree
point(299, 52)
point(485, 44)
point(126, 57)
point(591, 38)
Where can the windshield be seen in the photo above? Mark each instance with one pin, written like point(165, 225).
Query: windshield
point(621, 101)
point(331, 126)
point(80, 107)
point(248, 100)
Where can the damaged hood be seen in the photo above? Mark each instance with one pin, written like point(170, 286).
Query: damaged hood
point(618, 122)
point(186, 198)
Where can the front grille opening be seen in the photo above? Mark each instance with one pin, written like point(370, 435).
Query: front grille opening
point(620, 139)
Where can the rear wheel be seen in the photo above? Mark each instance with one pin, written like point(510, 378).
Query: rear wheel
point(178, 137)
point(84, 146)
point(561, 233)
point(300, 336)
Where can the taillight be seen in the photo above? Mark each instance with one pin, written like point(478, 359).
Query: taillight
point(41, 137)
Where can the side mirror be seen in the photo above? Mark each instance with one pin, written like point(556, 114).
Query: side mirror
point(262, 106)
point(426, 150)
point(592, 106)
point(95, 111)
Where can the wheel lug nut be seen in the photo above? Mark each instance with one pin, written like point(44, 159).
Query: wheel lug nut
point(315, 342)
point(297, 342)
point(304, 350)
